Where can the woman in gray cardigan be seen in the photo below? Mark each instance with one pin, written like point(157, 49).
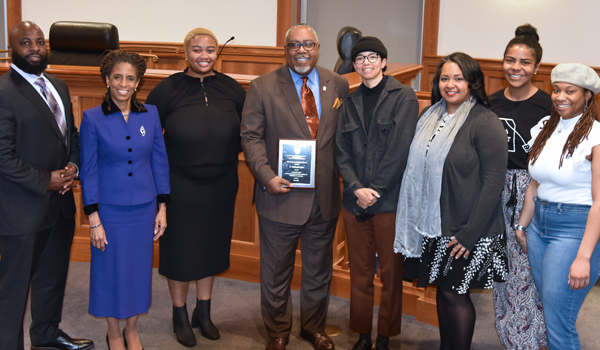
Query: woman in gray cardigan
point(449, 210)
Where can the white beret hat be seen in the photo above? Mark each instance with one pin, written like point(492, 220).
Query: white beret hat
point(576, 74)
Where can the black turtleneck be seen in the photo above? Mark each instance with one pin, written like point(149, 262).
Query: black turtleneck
point(370, 98)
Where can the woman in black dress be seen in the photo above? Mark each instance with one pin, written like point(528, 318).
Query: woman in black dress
point(200, 110)
point(449, 209)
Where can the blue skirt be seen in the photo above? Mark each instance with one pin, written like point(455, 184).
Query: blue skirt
point(121, 276)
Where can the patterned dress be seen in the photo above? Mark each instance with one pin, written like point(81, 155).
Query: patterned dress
point(484, 265)
point(519, 317)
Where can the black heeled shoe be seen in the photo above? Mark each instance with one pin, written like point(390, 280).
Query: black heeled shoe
point(201, 319)
point(181, 326)
point(125, 340)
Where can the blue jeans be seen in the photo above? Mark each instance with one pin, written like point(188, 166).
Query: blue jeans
point(553, 240)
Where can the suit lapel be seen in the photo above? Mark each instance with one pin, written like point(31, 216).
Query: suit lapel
point(291, 95)
point(36, 100)
point(327, 93)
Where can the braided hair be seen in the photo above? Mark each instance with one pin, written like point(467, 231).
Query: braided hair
point(580, 132)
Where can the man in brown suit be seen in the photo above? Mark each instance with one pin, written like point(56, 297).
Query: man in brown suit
point(273, 110)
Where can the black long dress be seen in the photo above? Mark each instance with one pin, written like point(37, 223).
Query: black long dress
point(201, 120)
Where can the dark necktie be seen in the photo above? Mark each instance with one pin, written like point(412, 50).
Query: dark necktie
point(309, 106)
point(54, 107)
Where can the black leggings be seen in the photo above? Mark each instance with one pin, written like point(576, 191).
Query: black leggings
point(456, 315)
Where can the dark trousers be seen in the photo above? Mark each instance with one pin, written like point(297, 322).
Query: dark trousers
point(365, 239)
point(278, 242)
point(39, 260)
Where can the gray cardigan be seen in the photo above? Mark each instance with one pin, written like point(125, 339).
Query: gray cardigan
point(473, 179)
point(376, 160)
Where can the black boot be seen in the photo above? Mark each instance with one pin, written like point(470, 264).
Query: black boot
point(181, 326)
point(201, 319)
point(382, 343)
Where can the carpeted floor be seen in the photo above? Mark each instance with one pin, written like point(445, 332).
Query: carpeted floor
point(236, 312)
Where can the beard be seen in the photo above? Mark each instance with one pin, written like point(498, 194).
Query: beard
point(302, 70)
point(27, 66)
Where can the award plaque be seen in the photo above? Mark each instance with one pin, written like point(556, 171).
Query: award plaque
point(297, 162)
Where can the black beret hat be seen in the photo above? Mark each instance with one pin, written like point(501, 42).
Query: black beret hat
point(368, 43)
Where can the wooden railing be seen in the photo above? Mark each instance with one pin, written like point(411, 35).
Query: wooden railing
point(241, 59)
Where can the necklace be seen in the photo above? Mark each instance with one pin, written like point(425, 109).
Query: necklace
point(565, 124)
point(446, 117)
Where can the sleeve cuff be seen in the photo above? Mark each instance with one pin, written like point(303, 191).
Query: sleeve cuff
point(88, 209)
point(163, 198)
point(76, 167)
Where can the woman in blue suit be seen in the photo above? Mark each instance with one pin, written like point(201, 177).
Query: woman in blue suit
point(124, 173)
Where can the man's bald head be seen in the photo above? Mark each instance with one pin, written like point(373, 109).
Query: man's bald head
point(16, 32)
point(27, 47)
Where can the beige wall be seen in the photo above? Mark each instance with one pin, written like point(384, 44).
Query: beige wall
point(251, 22)
point(397, 23)
point(568, 29)
point(479, 27)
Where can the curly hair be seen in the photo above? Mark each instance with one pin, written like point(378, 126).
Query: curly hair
point(471, 72)
point(580, 132)
point(198, 31)
point(117, 56)
point(527, 35)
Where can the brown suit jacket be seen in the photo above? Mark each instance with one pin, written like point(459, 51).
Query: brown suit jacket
point(273, 111)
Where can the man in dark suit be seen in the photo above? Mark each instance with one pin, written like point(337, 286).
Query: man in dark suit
point(281, 104)
point(39, 155)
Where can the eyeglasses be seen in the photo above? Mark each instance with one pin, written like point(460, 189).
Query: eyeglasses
point(372, 58)
point(308, 46)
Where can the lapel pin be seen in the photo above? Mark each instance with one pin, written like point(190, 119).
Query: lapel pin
point(324, 88)
point(143, 131)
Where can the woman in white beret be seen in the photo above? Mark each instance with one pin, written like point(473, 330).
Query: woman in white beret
point(561, 213)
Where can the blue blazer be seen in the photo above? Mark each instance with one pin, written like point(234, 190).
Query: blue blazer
point(122, 163)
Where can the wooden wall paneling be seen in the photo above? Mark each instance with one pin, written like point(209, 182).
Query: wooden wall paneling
point(288, 14)
point(237, 59)
point(431, 24)
point(13, 14)
point(245, 220)
point(249, 67)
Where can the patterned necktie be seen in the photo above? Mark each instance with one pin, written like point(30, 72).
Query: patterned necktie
point(54, 107)
point(309, 106)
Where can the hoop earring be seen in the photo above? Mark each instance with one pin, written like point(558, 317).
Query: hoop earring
point(585, 107)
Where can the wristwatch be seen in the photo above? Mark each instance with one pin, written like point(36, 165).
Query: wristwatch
point(519, 227)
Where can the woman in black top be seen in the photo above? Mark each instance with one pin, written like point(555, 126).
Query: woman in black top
point(200, 110)
point(449, 209)
point(519, 317)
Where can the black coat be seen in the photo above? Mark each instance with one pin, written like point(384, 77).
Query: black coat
point(376, 160)
point(31, 147)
